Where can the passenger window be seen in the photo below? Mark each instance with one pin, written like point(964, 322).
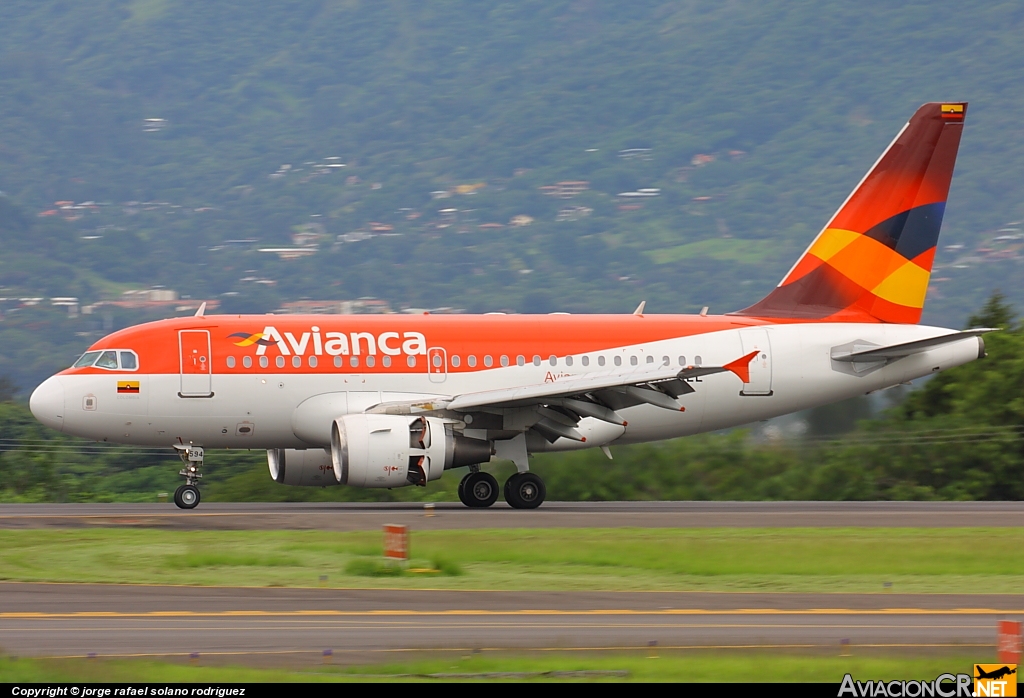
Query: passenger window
point(520, 360)
point(633, 361)
point(488, 361)
point(504, 360)
point(471, 361)
point(536, 360)
point(553, 360)
point(312, 362)
point(437, 361)
point(568, 361)
point(264, 362)
point(456, 361)
point(247, 361)
point(87, 359)
point(297, 361)
point(231, 362)
point(697, 360)
point(665, 361)
point(337, 362)
point(386, 361)
point(600, 361)
point(370, 361)
point(618, 360)
point(353, 361)
point(280, 362)
point(128, 361)
point(411, 361)
point(682, 360)
point(108, 359)
point(585, 360)
point(650, 359)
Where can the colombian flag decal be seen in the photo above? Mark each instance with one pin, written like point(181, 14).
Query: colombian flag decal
point(128, 387)
point(952, 111)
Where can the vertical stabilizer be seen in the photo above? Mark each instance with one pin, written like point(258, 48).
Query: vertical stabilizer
point(873, 260)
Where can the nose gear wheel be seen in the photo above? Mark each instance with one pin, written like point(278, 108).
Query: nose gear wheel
point(187, 497)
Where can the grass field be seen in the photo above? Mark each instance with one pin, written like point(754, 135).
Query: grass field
point(974, 560)
point(701, 666)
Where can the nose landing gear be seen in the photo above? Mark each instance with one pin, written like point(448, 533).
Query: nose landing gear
point(187, 496)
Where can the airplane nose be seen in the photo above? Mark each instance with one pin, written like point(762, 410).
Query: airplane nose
point(47, 403)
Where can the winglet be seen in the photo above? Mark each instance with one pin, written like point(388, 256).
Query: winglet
point(202, 310)
point(741, 366)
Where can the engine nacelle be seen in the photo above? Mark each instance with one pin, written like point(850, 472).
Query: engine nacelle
point(305, 468)
point(386, 450)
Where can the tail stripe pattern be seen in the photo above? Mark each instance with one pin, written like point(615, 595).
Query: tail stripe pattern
point(873, 260)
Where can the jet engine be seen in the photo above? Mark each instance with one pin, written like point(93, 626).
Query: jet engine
point(306, 467)
point(384, 450)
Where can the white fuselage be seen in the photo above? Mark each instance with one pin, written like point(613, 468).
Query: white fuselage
point(264, 409)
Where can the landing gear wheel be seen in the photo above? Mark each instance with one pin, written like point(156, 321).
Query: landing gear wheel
point(525, 491)
point(478, 490)
point(187, 497)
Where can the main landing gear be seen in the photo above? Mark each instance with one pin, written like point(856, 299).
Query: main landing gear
point(187, 496)
point(522, 491)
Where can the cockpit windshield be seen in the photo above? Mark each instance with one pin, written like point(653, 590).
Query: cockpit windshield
point(129, 360)
point(88, 358)
point(108, 359)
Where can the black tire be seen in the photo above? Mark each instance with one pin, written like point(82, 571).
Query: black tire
point(462, 492)
point(479, 490)
point(187, 497)
point(525, 491)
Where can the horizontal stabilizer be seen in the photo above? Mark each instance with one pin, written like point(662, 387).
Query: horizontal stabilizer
point(898, 351)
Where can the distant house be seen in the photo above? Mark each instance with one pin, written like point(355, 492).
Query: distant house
point(565, 190)
point(520, 221)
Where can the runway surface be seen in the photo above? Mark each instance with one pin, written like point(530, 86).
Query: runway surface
point(446, 515)
point(270, 626)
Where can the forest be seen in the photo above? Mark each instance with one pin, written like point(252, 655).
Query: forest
point(537, 156)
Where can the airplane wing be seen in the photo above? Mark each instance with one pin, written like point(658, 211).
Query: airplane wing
point(560, 405)
point(864, 353)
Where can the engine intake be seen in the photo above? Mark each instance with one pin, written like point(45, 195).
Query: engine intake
point(305, 468)
point(382, 450)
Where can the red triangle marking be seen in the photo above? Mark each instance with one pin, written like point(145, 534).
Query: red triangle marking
point(741, 366)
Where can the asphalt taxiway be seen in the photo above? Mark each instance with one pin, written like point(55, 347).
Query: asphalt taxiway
point(447, 515)
point(248, 624)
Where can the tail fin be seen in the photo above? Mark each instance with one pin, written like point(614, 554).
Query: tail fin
point(873, 259)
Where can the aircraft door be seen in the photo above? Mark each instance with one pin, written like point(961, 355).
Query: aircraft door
point(437, 364)
point(196, 363)
point(761, 366)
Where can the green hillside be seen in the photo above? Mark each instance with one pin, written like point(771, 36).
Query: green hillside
point(168, 126)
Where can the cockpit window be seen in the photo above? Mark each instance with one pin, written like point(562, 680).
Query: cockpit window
point(87, 359)
point(128, 361)
point(107, 360)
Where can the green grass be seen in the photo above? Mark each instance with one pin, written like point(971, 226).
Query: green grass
point(976, 560)
point(700, 666)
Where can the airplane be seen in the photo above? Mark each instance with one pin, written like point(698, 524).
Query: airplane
point(395, 400)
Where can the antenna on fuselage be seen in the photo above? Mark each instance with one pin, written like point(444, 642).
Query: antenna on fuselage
point(202, 309)
point(640, 308)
